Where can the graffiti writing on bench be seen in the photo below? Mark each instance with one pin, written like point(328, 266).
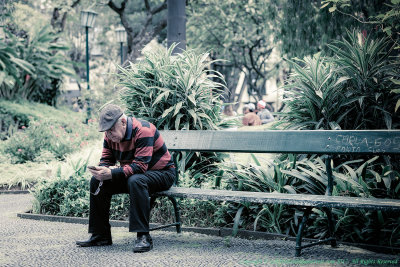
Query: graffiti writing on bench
point(352, 143)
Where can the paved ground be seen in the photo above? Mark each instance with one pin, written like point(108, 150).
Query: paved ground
point(26, 242)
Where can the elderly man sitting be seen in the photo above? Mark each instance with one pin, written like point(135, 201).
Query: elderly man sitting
point(263, 113)
point(250, 117)
point(145, 167)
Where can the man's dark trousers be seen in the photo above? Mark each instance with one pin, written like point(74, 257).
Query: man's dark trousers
point(139, 187)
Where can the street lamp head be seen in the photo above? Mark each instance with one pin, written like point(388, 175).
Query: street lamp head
point(88, 18)
point(121, 34)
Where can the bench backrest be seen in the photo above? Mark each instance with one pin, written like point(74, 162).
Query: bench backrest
point(299, 142)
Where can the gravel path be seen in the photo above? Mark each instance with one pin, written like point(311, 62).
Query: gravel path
point(26, 242)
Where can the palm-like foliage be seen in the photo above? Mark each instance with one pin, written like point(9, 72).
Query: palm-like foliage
point(315, 94)
point(173, 92)
point(355, 89)
point(267, 178)
point(371, 76)
point(33, 69)
point(356, 178)
point(49, 66)
point(307, 175)
point(11, 66)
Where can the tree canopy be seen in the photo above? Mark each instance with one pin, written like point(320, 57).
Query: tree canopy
point(239, 32)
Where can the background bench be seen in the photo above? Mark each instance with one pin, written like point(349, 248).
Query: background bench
point(380, 142)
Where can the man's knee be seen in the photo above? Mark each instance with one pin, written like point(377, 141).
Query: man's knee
point(137, 181)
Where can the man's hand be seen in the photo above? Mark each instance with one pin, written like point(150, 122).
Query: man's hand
point(101, 173)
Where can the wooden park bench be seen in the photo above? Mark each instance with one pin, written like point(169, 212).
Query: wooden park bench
point(379, 142)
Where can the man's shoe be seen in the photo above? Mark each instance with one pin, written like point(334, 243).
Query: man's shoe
point(95, 240)
point(143, 244)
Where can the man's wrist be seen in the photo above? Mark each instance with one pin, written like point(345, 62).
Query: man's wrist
point(117, 173)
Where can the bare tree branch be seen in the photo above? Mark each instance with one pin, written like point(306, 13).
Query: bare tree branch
point(253, 64)
point(147, 5)
point(159, 8)
point(119, 10)
point(60, 25)
point(74, 4)
point(138, 39)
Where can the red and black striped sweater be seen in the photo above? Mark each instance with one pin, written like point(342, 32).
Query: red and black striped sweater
point(142, 149)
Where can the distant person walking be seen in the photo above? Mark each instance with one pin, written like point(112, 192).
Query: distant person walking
point(250, 117)
point(264, 114)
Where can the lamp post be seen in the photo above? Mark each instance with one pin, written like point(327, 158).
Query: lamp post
point(121, 38)
point(2, 25)
point(2, 34)
point(88, 18)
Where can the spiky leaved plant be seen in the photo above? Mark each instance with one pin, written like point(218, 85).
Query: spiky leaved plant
point(372, 73)
point(173, 92)
point(353, 89)
point(316, 98)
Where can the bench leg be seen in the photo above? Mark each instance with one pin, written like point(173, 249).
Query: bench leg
point(152, 202)
point(299, 236)
point(331, 226)
point(177, 222)
point(177, 214)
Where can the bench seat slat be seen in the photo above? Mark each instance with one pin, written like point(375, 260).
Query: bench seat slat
point(278, 198)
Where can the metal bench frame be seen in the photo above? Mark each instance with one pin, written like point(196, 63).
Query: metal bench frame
point(378, 142)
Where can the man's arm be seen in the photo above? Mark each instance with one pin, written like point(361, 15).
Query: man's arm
point(107, 157)
point(103, 172)
point(142, 157)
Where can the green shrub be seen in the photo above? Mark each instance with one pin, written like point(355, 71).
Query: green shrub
point(11, 66)
point(194, 212)
point(34, 143)
point(357, 178)
point(316, 98)
point(303, 175)
point(42, 81)
point(19, 113)
point(354, 89)
point(64, 197)
point(67, 194)
point(173, 92)
point(371, 72)
point(11, 119)
point(22, 176)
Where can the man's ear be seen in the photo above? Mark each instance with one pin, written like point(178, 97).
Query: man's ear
point(123, 120)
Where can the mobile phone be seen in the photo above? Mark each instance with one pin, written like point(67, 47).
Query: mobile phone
point(92, 167)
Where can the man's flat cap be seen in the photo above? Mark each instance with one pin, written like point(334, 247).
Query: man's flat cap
point(109, 115)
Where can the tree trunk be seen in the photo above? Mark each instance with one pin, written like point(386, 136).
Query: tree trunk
point(176, 29)
point(136, 41)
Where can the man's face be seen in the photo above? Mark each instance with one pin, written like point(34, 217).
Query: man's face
point(117, 132)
